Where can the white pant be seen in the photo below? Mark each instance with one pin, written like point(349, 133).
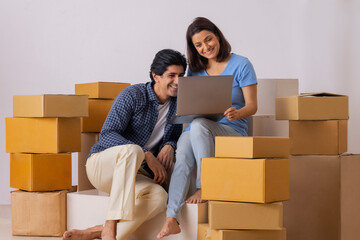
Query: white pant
point(134, 198)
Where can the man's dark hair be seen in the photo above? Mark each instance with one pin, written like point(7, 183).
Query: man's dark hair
point(163, 59)
point(197, 62)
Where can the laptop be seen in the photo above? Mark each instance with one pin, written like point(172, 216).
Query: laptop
point(205, 96)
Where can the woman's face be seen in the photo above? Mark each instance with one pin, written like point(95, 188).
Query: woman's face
point(207, 44)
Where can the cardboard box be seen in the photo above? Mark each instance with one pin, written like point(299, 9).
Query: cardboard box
point(318, 137)
point(270, 89)
point(266, 125)
point(40, 172)
point(50, 105)
point(98, 111)
point(205, 233)
point(38, 213)
point(104, 90)
point(43, 135)
point(251, 147)
point(245, 180)
point(317, 106)
point(237, 215)
point(81, 214)
point(87, 141)
point(325, 197)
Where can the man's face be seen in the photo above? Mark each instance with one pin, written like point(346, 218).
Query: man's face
point(166, 84)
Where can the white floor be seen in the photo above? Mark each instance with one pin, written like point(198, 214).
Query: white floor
point(5, 227)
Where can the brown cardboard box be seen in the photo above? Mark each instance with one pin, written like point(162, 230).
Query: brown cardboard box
point(205, 233)
point(245, 180)
point(267, 125)
point(38, 213)
point(318, 137)
point(98, 111)
point(104, 90)
point(87, 141)
point(50, 105)
point(43, 135)
point(40, 172)
point(317, 106)
point(251, 147)
point(325, 197)
point(237, 215)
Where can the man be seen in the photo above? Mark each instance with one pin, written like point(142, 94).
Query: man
point(136, 142)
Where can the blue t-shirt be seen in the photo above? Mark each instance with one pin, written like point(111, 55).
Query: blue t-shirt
point(244, 75)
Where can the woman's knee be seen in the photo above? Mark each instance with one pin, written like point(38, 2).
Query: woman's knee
point(201, 125)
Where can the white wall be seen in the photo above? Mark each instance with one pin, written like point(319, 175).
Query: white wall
point(46, 46)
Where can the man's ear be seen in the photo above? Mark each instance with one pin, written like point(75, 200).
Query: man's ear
point(156, 77)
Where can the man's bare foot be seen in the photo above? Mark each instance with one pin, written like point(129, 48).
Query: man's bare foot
point(109, 231)
point(195, 198)
point(87, 234)
point(171, 226)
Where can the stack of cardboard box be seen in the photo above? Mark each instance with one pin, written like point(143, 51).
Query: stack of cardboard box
point(244, 183)
point(324, 182)
point(101, 97)
point(40, 136)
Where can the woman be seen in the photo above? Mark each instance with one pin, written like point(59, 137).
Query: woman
point(209, 53)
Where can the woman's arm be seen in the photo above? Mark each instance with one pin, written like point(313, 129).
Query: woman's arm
point(250, 108)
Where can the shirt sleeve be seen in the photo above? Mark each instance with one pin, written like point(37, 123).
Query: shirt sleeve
point(174, 136)
point(246, 76)
point(117, 121)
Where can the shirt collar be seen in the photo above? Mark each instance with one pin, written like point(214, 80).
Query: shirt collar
point(152, 95)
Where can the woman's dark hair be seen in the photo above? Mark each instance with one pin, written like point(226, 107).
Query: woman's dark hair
point(163, 59)
point(197, 62)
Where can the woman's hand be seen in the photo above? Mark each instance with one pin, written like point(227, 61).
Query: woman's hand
point(250, 108)
point(166, 157)
point(160, 174)
point(232, 114)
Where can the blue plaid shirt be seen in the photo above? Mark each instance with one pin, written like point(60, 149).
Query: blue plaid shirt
point(132, 119)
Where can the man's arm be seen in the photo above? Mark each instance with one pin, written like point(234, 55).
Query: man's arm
point(117, 121)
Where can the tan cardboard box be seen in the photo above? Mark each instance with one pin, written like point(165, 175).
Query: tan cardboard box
point(251, 147)
point(38, 213)
point(245, 180)
point(50, 105)
point(40, 172)
point(270, 89)
point(43, 135)
point(104, 90)
point(324, 198)
point(317, 106)
point(238, 215)
point(87, 141)
point(267, 125)
point(98, 111)
point(318, 137)
point(205, 233)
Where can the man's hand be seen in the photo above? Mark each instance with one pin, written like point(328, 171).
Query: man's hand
point(166, 157)
point(160, 174)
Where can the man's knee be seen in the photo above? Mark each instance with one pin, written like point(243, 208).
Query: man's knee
point(136, 150)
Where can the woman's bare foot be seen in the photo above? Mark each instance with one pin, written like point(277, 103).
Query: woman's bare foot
point(87, 234)
point(109, 231)
point(171, 226)
point(195, 198)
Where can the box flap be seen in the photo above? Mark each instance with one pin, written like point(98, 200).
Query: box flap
point(321, 94)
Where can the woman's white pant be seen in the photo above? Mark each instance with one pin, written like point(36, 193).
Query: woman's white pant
point(134, 198)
